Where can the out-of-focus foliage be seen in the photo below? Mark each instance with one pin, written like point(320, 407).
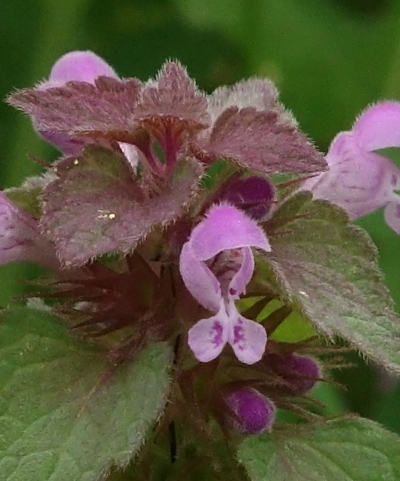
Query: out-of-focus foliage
point(329, 58)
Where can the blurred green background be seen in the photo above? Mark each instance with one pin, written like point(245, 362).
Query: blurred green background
point(330, 58)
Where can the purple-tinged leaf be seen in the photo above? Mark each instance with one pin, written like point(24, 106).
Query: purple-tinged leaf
point(258, 141)
point(173, 95)
point(80, 107)
point(96, 206)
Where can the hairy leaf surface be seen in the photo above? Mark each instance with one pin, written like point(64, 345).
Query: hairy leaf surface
point(96, 206)
point(259, 140)
point(341, 450)
point(65, 413)
point(81, 107)
point(328, 269)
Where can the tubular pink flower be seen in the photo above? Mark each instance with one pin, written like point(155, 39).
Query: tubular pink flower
point(20, 239)
point(216, 264)
point(360, 180)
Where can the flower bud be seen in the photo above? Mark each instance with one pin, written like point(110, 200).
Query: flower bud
point(253, 194)
point(300, 373)
point(252, 412)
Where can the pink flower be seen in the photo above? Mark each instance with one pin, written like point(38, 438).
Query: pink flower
point(216, 264)
point(360, 180)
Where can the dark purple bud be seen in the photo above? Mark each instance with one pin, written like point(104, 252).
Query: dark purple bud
point(300, 373)
point(253, 412)
point(254, 195)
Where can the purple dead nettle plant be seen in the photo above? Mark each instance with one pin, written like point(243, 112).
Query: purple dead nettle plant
point(142, 250)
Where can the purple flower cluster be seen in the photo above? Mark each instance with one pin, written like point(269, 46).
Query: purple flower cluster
point(133, 155)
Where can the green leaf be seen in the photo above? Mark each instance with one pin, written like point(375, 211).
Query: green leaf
point(294, 328)
point(328, 270)
point(27, 195)
point(66, 414)
point(349, 449)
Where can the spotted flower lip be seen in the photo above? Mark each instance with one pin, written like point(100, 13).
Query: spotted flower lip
point(360, 180)
point(216, 264)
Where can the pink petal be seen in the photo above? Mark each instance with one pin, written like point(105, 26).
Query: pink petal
point(358, 181)
point(208, 337)
point(247, 338)
point(83, 66)
point(392, 215)
point(199, 280)
point(242, 277)
point(378, 126)
point(132, 154)
point(67, 144)
point(226, 227)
